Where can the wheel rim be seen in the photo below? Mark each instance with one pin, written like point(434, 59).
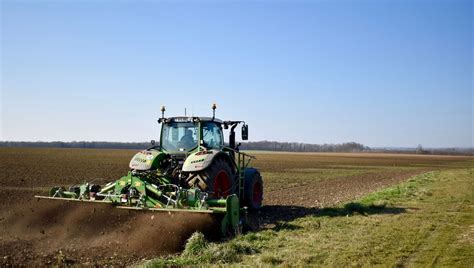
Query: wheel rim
point(257, 194)
point(221, 184)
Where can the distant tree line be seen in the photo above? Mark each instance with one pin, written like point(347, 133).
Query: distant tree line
point(256, 145)
point(469, 151)
point(77, 144)
point(304, 147)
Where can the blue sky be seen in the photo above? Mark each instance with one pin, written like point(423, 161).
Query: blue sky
point(382, 73)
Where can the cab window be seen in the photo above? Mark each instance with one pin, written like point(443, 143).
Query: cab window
point(212, 135)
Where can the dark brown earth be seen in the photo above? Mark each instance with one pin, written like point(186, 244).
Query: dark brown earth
point(332, 191)
point(48, 232)
point(51, 232)
point(299, 201)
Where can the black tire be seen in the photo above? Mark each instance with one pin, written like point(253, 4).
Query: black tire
point(218, 179)
point(253, 190)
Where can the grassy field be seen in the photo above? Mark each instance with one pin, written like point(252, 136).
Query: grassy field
point(426, 221)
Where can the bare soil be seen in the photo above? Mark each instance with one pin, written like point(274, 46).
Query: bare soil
point(336, 190)
point(48, 232)
point(51, 232)
point(299, 201)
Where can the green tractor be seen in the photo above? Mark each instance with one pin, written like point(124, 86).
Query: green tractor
point(190, 170)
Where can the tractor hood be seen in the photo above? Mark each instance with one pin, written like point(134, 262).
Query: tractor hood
point(147, 160)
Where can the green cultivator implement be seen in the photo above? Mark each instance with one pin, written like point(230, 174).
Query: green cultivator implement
point(189, 171)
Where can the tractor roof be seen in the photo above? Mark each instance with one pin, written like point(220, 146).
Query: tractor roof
point(192, 119)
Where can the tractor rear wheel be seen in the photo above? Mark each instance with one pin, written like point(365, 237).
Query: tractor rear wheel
point(253, 191)
point(218, 179)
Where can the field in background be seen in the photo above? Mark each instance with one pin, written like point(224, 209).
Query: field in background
point(298, 186)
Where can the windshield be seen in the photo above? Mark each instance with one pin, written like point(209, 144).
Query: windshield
point(179, 137)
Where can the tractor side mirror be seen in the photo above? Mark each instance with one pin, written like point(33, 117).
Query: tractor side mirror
point(245, 132)
point(152, 142)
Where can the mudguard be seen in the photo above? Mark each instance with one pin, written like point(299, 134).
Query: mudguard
point(147, 159)
point(200, 160)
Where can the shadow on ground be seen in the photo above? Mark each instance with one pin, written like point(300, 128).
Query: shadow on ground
point(277, 217)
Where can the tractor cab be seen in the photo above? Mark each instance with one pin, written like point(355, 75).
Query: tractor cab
point(184, 135)
point(188, 134)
